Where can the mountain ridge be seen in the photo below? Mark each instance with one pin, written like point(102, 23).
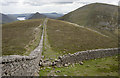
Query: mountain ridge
point(99, 15)
point(37, 15)
point(6, 18)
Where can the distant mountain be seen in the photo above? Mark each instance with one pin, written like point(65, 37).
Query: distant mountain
point(37, 15)
point(53, 15)
point(26, 15)
point(97, 15)
point(6, 19)
point(13, 17)
point(20, 15)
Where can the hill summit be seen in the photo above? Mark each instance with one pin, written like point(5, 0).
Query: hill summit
point(97, 15)
point(37, 15)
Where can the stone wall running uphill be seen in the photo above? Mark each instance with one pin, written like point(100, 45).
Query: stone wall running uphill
point(16, 65)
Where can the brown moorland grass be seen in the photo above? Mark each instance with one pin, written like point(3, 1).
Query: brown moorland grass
point(65, 38)
point(21, 37)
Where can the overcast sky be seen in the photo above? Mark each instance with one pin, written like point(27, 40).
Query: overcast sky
point(46, 6)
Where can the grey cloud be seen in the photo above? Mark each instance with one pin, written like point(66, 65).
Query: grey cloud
point(45, 2)
point(84, 2)
point(4, 4)
point(34, 3)
point(63, 2)
point(42, 3)
point(38, 2)
point(8, 3)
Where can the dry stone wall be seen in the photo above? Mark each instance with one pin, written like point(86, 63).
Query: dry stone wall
point(16, 65)
point(87, 55)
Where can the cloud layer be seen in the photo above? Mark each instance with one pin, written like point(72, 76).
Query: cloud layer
point(60, 6)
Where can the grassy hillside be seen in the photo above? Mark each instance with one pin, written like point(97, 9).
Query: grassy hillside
point(64, 37)
point(99, 16)
point(21, 37)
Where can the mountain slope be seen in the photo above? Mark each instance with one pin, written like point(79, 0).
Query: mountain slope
point(36, 16)
point(20, 15)
point(52, 15)
point(21, 37)
point(65, 37)
point(6, 19)
point(99, 16)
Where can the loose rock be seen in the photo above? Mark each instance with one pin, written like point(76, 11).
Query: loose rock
point(81, 63)
point(40, 64)
point(65, 75)
point(58, 71)
point(88, 66)
point(49, 67)
point(66, 65)
point(60, 57)
point(56, 60)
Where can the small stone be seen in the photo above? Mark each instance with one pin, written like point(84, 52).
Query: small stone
point(56, 60)
point(40, 64)
point(48, 63)
point(88, 66)
point(81, 63)
point(86, 58)
point(60, 57)
point(58, 71)
point(68, 63)
point(49, 67)
point(58, 66)
point(24, 65)
point(65, 65)
point(64, 52)
point(53, 63)
point(41, 68)
point(41, 60)
point(73, 64)
point(69, 54)
point(116, 57)
point(65, 75)
point(55, 75)
point(51, 58)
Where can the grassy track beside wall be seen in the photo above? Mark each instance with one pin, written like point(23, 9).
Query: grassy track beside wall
point(48, 52)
